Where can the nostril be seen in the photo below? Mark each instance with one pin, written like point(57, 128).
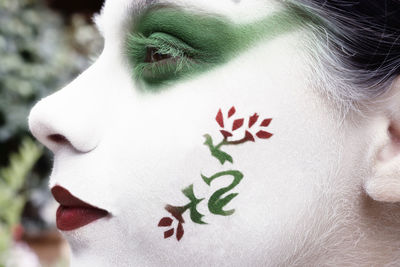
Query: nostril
point(58, 139)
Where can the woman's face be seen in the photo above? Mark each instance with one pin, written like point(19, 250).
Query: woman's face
point(163, 149)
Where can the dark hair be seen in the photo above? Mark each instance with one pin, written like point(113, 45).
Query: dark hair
point(364, 35)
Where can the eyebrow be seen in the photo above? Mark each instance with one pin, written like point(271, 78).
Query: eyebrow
point(177, 20)
point(195, 27)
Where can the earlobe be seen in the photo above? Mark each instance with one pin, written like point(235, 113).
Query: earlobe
point(383, 184)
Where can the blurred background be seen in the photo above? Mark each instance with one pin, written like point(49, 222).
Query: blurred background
point(44, 44)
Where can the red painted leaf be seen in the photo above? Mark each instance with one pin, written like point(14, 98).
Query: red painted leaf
point(231, 112)
point(220, 118)
point(265, 122)
point(237, 124)
point(226, 134)
point(168, 233)
point(249, 136)
point(179, 232)
point(263, 134)
point(166, 221)
point(253, 119)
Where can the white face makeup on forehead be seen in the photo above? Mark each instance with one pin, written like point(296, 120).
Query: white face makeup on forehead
point(200, 138)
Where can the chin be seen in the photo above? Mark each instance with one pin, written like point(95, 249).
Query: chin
point(97, 244)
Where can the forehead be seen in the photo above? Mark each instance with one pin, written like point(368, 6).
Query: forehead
point(117, 13)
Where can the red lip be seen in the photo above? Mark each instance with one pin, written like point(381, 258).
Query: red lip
point(73, 212)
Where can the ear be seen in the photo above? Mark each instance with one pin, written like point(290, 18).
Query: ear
point(384, 182)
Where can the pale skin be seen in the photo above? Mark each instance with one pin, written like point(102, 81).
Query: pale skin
point(323, 191)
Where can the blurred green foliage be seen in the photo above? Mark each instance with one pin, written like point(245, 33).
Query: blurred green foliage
point(39, 53)
point(36, 57)
point(12, 194)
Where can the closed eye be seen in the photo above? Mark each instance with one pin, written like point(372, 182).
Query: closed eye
point(160, 57)
point(168, 43)
point(152, 55)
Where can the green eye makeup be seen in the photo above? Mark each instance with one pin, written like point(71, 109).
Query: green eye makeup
point(160, 57)
point(168, 44)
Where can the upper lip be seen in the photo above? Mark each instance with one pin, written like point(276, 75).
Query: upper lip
point(65, 198)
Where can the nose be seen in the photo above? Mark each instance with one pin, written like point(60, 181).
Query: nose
point(70, 117)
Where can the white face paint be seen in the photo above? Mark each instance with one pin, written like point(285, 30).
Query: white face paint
point(131, 153)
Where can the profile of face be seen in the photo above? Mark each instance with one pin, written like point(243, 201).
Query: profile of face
point(206, 135)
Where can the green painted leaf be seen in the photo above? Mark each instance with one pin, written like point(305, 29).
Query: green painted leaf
point(217, 201)
point(216, 151)
point(195, 216)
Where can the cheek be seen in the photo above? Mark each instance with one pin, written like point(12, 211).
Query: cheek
point(155, 147)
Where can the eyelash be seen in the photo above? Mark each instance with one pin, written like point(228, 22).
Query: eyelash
point(175, 57)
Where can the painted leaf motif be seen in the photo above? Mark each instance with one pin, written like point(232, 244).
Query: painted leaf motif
point(169, 233)
point(218, 200)
point(195, 215)
point(166, 221)
point(231, 112)
point(221, 156)
point(249, 136)
point(220, 118)
point(263, 134)
point(253, 119)
point(179, 232)
point(216, 152)
point(226, 134)
point(237, 124)
point(265, 122)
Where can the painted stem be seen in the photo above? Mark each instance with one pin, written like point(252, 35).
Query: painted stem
point(237, 142)
point(177, 211)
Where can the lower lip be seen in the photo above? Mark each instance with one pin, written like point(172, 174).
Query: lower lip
point(71, 218)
